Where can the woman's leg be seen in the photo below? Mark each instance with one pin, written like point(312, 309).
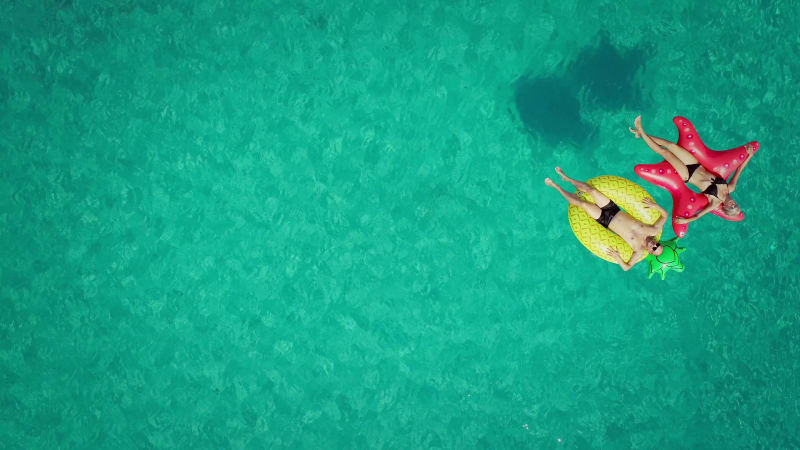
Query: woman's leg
point(668, 153)
point(660, 141)
point(684, 155)
point(598, 197)
point(590, 208)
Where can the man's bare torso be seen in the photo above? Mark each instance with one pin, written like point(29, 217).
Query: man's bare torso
point(631, 230)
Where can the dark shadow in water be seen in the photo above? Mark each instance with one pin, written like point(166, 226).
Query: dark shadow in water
point(608, 74)
point(548, 105)
point(548, 108)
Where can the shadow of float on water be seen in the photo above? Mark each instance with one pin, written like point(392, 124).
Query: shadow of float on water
point(609, 73)
point(548, 107)
point(601, 76)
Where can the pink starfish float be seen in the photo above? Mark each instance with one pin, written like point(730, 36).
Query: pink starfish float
point(686, 202)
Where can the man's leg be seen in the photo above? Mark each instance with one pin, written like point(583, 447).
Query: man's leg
point(590, 208)
point(598, 197)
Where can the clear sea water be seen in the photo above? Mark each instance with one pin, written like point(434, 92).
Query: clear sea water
point(296, 224)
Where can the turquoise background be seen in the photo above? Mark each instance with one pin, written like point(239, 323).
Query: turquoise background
point(323, 225)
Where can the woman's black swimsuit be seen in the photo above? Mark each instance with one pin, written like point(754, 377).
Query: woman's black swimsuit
point(607, 213)
point(712, 188)
point(691, 168)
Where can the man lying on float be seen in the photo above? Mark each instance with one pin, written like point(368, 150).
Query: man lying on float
point(641, 237)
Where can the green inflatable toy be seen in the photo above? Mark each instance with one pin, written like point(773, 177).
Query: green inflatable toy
point(667, 260)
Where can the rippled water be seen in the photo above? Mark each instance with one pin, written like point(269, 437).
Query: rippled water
point(323, 225)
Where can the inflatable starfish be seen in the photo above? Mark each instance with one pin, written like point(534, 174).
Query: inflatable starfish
point(667, 260)
point(686, 202)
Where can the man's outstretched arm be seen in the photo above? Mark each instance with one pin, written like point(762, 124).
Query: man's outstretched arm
point(663, 212)
point(626, 266)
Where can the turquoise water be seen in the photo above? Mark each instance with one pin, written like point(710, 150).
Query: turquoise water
point(323, 225)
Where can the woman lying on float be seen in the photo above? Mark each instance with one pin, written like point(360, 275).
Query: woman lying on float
point(694, 163)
